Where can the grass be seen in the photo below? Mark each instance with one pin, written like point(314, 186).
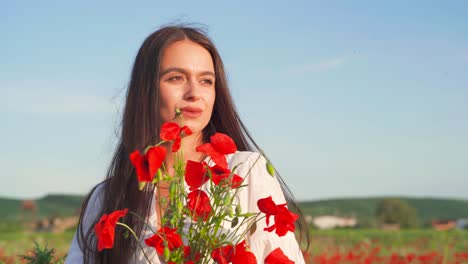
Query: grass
point(17, 243)
point(331, 242)
point(405, 246)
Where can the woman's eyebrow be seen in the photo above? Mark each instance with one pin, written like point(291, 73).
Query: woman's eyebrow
point(177, 69)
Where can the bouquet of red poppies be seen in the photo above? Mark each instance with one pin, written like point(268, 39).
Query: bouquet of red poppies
point(195, 217)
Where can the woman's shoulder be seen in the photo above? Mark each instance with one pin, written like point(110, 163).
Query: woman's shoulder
point(251, 165)
point(243, 158)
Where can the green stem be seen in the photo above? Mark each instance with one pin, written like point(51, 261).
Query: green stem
point(137, 239)
point(142, 220)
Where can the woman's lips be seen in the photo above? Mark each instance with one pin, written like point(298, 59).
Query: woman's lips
point(191, 111)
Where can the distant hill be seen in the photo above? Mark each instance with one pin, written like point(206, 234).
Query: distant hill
point(50, 205)
point(364, 208)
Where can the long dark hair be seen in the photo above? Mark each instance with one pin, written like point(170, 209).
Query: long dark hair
point(140, 127)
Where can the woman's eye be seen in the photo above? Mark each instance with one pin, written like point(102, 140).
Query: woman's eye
point(208, 81)
point(175, 78)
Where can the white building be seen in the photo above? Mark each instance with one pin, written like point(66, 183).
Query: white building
point(329, 221)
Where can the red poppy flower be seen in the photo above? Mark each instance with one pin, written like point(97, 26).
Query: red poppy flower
point(223, 255)
point(284, 219)
point(242, 255)
point(267, 206)
point(188, 259)
point(171, 131)
point(195, 174)
point(147, 165)
point(223, 143)
point(105, 228)
point(164, 234)
point(220, 145)
point(220, 175)
point(277, 256)
point(198, 203)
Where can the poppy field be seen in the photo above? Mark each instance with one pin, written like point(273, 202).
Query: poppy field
point(327, 246)
point(379, 246)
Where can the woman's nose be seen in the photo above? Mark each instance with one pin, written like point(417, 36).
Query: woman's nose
point(192, 90)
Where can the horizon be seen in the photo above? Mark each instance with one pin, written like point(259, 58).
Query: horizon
point(296, 200)
point(350, 99)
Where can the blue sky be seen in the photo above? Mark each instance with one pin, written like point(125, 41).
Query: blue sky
point(349, 99)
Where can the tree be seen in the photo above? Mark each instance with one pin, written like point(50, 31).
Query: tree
point(396, 211)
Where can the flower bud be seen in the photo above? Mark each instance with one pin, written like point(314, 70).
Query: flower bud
point(270, 168)
point(173, 220)
point(159, 173)
point(166, 253)
point(234, 222)
point(180, 206)
point(227, 199)
point(238, 209)
point(172, 190)
point(253, 228)
point(141, 185)
point(230, 211)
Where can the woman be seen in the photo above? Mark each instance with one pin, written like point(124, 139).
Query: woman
point(176, 68)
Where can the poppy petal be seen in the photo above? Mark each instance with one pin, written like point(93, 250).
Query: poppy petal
point(169, 131)
point(242, 255)
point(195, 174)
point(186, 131)
point(199, 205)
point(267, 206)
point(223, 143)
point(141, 166)
point(176, 144)
point(155, 156)
point(105, 228)
point(277, 256)
point(216, 156)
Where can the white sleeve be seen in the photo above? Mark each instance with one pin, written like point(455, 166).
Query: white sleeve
point(75, 255)
point(261, 185)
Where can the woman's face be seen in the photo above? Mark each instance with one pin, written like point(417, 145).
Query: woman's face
point(187, 82)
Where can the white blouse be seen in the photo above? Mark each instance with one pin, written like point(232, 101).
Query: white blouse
point(260, 185)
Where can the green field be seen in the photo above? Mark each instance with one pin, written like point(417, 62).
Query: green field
point(325, 244)
point(360, 245)
point(364, 209)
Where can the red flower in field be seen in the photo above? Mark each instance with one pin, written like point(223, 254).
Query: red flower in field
point(284, 219)
point(410, 257)
point(277, 256)
point(105, 228)
point(461, 257)
point(171, 131)
point(164, 234)
point(147, 165)
point(351, 256)
point(430, 256)
point(223, 255)
point(221, 175)
point(198, 203)
point(195, 174)
point(220, 145)
point(242, 255)
point(321, 259)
